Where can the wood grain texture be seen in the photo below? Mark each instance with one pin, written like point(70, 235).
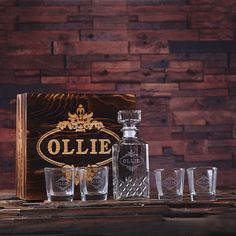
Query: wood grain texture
point(117, 217)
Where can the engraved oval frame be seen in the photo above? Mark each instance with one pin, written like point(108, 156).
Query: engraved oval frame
point(136, 165)
point(60, 164)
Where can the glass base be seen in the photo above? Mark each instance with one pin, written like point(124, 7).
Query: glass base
point(134, 198)
point(53, 198)
point(202, 197)
point(171, 198)
point(94, 196)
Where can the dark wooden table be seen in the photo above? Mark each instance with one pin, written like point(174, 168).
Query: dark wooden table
point(110, 217)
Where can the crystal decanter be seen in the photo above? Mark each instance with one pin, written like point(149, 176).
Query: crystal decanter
point(130, 160)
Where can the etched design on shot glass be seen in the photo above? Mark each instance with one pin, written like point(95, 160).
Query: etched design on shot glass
point(170, 183)
point(97, 182)
point(62, 183)
point(203, 182)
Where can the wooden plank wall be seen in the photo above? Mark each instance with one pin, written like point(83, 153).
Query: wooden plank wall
point(177, 56)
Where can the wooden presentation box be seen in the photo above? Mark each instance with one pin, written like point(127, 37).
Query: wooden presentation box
point(54, 130)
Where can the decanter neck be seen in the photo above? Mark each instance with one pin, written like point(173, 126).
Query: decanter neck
point(129, 132)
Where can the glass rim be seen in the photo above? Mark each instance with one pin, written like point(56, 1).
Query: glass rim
point(92, 167)
point(58, 168)
point(169, 168)
point(202, 168)
point(130, 110)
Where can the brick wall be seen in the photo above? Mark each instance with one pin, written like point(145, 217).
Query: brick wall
point(177, 56)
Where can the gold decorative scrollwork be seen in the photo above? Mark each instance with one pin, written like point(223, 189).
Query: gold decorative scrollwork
point(80, 121)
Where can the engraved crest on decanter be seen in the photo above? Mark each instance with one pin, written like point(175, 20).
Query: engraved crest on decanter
point(130, 160)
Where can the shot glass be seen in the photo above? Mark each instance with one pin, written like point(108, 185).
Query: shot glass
point(93, 183)
point(170, 184)
point(59, 183)
point(202, 183)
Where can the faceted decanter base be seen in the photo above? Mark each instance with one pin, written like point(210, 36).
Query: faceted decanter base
point(133, 188)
